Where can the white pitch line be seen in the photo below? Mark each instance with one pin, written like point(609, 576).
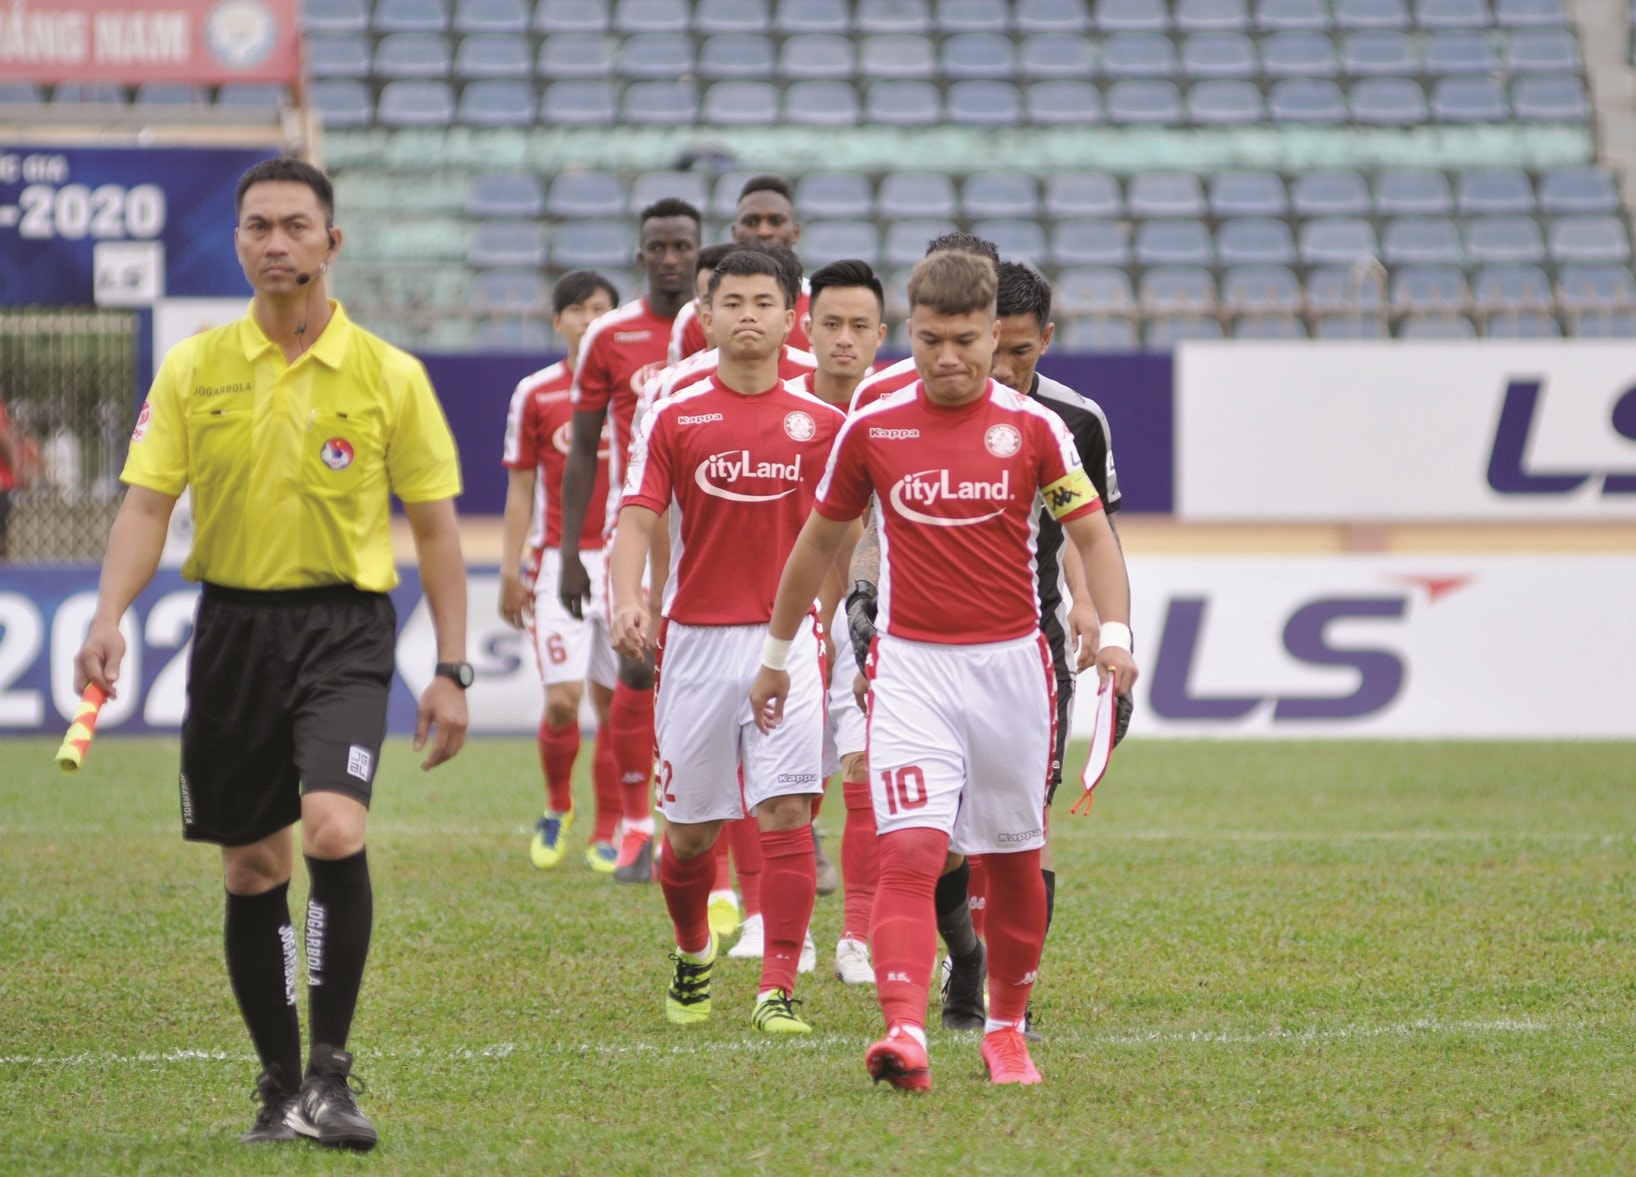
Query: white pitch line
point(1424, 1027)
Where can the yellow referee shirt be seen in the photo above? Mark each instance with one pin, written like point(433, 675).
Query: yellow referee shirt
point(291, 465)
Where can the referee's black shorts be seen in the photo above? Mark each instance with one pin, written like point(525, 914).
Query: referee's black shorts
point(286, 691)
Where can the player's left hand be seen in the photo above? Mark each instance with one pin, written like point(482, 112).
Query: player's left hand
point(442, 715)
point(1117, 663)
point(767, 695)
point(1084, 628)
point(632, 630)
point(515, 601)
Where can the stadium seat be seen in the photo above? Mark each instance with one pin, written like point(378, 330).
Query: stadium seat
point(1452, 14)
point(1143, 103)
point(736, 104)
point(1166, 194)
point(20, 94)
point(571, 16)
point(977, 56)
point(411, 16)
point(152, 94)
point(1421, 241)
point(917, 194)
point(342, 102)
point(1436, 326)
point(1306, 100)
point(412, 55)
point(656, 56)
point(724, 196)
point(1082, 242)
point(1371, 14)
point(1577, 190)
point(999, 194)
point(586, 194)
point(1060, 56)
point(501, 244)
point(1413, 192)
point(1523, 325)
point(1349, 326)
point(1174, 243)
point(499, 195)
point(816, 57)
point(650, 16)
point(1596, 288)
point(903, 57)
point(1291, 15)
point(1165, 334)
point(1131, 16)
point(510, 292)
point(1543, 51)
point(493, 55)
point(1504, 239)
point(1091, 290)
point(731, 16)
point(906, 240)
point(1429, 288)
point(497, 103)
point(1339, 193)
point(823, 242)
point(579, 103)
point(1511, 288)
point(249, 96)
point(660, 103)
point(1337, 241)
point(335, 16)
point(1496, 191)
point(1212, 16)
point(985, 104)
point(338, 56)
point(576, 55)
point(892, 16)
point(651, 186)
point(1261, 290)
point(822, 103)
point(737, 56)
point(1051, 16)
point(1177, 291)
point(1018, 240)
point(1388, 102)
point(592, 245)
point(407, 103)
point(1459, 52)
point(1219, 55)
point(915, 104)
point(1298, 55)
point(813, 16)
point(1091, 333)
point(1530, 14)
point(1589, 239)
point(1225, 102)
point(972, 16)
point(1064, 102)
point(1083, 194)
point(1138, 55)
point(1380, 54)
point(1255, 241)
point(834, 194)
point(1248, 194)
point(507, 334)
point(1551, 98)
point(1346, 290)
point(1269, 327)
point(490, 16)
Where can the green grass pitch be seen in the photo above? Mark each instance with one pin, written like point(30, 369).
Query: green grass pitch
point(1267, 957)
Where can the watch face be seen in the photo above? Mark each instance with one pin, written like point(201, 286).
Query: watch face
point(467, 675)
point(461, 672)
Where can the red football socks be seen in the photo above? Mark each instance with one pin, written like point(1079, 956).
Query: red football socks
point(1016, 931)
point(903, 938)
point(977, 892)
point(860, 860)
point(686, 883)
point(747, 854)
point(559, 748)
point(609, 803)
point(630, 729)
point(791, 885)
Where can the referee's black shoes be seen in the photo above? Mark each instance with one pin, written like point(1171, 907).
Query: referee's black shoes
point(963, 1004)
point(280, 1109)
point(329, 1108)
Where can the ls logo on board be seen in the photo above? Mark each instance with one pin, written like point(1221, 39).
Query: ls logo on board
point(1380, 669)
point(1507, 473)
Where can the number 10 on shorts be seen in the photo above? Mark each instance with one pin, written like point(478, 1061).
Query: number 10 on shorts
point(905, 788)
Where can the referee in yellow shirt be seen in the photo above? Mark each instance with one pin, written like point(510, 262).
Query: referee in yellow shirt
point(292, 426)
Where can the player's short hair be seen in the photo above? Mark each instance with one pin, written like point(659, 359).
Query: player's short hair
point(849, 272)
point(670, 206)
point(768, 183)
point(710, 256)
point(751, 259)
point(288, 169)
point(964, 243)
point(953, 283)
point(789, 263)
point(1023, 290)
point(576, 286)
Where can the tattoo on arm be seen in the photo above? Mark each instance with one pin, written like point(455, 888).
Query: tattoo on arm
point(866, 556)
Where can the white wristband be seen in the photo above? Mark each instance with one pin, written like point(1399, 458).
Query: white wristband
point(1115, 634)
point(775, 654)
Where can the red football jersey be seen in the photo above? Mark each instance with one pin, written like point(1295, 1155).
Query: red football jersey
point(804, 383)
point(956, 492)
point(687, 333)
point(737, 474)
point(680, 377)
point(883, 382)
point(538, 430)
point(612, 358)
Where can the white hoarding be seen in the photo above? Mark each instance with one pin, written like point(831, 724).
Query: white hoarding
point(1406, 431)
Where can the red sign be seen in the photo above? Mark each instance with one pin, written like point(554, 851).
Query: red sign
point(132, 41)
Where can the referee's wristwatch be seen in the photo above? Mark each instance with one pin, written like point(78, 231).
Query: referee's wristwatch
point(461, 672)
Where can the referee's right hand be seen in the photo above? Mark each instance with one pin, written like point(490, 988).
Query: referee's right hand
point(574, 585)
point(442, 716)
point(99, 659)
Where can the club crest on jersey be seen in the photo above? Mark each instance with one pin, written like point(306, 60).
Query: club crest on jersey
point(932, 488)
point(142, 420)
point(1002, 440)
point(720, 473)
point(800, 426)
point(337, 453)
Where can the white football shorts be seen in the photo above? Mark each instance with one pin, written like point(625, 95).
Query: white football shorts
point(566, 648)
point(844, 724)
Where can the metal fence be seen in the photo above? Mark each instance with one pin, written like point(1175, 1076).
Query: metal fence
point(68, 379)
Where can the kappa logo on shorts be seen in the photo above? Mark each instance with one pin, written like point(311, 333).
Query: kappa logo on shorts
point(800, 426)
point(1002, 440)
point(1007, 839)
point(359, 762)
point(337, 453)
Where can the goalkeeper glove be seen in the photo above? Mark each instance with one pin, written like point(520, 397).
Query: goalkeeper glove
point(860, 618)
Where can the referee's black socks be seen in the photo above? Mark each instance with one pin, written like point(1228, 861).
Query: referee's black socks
point(261, 964)
point(340, 914)
point(954, 912)
point(1050, 877)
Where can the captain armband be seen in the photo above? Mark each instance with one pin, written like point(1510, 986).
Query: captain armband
point(1068, 494)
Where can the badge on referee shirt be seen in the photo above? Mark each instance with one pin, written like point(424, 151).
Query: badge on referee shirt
point(337, 453)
